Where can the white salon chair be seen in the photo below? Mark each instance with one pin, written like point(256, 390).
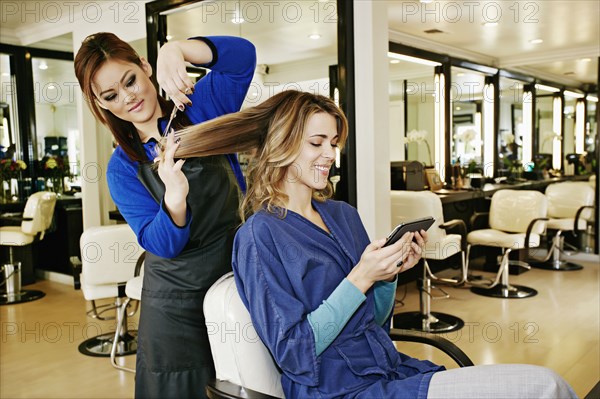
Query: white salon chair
point(570, 208)
point(108, 261)
point(516, 221)
point(36, 219)
point(407, 205)
point(244, 366)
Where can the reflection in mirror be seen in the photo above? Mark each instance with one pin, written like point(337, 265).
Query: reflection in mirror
point(411, 109)
point(296, 42)
point(511, 126)
point(591, 133)
point(570, 111)
point(56, 145)
point(9, 132)
point(467, 118)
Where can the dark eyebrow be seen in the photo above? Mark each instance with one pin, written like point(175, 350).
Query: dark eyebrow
point(121, 81)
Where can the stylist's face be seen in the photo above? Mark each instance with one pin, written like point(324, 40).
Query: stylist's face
point(126, 91)
point(311, 167)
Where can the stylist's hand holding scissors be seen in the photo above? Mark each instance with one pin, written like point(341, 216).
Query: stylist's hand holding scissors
point(172, 76)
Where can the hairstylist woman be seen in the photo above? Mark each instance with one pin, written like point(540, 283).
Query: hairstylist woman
point(183, 213)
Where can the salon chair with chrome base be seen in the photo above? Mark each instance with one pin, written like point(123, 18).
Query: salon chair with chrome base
point(570, 207)
point(36, 219)
point(408, 205)
point(109, 255)
point(516, 221)
point(244, 366)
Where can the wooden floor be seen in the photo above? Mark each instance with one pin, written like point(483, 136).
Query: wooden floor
point(559, 328)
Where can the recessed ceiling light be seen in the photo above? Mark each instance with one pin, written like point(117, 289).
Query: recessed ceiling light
point(43, 66)
point(458, 108)
point(490, 24)
point(569, 73)
point(536, 41)
point(586, 60)
point(394, 61)
point(5, 74)
point(460, 74)
point(168, 37)
point(426, 1)
point(51, 87)
point(237, 20)
point(314, 36)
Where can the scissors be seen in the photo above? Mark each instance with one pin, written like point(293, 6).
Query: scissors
point(169, 122)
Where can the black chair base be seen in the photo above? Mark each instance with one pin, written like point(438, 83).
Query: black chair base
point(561, 266)
point(504, 291)
point(101, 345)
point(21, 297)
point(435, 323)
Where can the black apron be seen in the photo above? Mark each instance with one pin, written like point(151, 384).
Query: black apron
point(173, 356)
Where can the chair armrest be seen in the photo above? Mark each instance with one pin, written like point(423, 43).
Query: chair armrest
point(530, 228)
point(577, 215)
point(462, 229)
point(139, 263)
point(477, 216)
point(436, 341)
point(216, 389)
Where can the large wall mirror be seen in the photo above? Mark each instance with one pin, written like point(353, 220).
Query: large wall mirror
point(511, 126)
point(412, 104)
point(468, 117)
point(296, 43)
point(9, 131)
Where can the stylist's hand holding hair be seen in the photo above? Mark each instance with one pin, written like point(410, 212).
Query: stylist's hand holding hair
point(380, 264)
point(171, 73)
point(176, 184)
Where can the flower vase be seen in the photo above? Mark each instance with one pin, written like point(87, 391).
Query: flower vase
point(57, 185)
point(4, 190)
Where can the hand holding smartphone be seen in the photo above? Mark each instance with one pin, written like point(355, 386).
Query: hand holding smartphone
point(409, 226)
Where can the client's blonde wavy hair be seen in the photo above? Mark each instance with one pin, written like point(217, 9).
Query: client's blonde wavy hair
point(274, 131)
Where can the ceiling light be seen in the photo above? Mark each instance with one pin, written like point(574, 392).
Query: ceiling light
point(586, 60)
point(490, 24)
point(43, 65)
point(426, 1)
point(394, 61)
point(547, 88)
point(573, 94)
point(592, 98)
point(168, 37)
point(460, 74)
point(237, 20)
point(5, 74)
point(51, 87)
point(536, 41)
point(314, 36)
point(416, 60)
point(569, 73)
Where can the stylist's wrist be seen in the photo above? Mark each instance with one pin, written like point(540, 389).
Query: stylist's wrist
point(176, 206)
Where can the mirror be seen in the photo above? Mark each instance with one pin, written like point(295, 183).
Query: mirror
point(9, 132)
point(510, 124)
point(57, 132)
point(569, 132)
point(591, 134)
point(466, 147)
point(296, 43)
point(412, 103)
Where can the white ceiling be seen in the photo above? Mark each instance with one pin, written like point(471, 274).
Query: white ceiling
point(570, 30)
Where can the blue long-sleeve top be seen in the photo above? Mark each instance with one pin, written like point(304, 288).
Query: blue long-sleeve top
point(220, 92)
point(284, 269)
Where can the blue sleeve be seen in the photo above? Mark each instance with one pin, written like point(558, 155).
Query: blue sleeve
point(328, 320)
point(222, 91)
point(278, 316)
point(385, 295)
point(150, 221)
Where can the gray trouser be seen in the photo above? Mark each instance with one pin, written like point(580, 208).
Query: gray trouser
point(505, 381)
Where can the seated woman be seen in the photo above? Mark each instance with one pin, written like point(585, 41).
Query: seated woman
point(318, 291)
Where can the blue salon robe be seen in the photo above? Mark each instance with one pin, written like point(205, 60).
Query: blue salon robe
point(284, 269)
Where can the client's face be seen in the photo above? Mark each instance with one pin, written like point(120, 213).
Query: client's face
point(311, 168)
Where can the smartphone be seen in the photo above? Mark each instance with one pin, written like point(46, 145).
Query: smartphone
point(411, 225)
